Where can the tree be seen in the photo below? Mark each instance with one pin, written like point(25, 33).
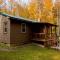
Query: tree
point(32, 8)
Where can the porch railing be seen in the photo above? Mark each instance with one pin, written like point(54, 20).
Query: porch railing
point(39, 36)
point(44, 36)
point(50, 38)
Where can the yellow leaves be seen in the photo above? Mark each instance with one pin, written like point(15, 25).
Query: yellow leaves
point(32, 11)
point(57, 5)
point(32, 8)
point(23, 11)
point(45, 15)
point(1, 2)
point(48, 4)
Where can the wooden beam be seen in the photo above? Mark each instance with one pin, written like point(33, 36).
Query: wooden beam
point(45, 43)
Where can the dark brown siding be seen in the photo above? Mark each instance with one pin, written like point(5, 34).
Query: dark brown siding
point(16, 36)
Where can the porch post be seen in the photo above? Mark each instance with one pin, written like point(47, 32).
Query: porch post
point(55, 30)
point(51, 30)
point(45, 34)
point(56, 35)
point(50, 35)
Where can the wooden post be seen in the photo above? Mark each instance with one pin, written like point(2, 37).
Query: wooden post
point(51, 30)
point(56, 35)
point(55, 32)
point(51, 36)
point(45, 35)
point(48, 33)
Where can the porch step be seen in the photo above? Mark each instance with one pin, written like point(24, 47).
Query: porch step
point(43, 40)
point(56, 47)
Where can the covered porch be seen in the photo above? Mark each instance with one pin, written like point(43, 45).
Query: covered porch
point(45, 34)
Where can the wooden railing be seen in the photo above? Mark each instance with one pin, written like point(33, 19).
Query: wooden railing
point(39, 36)
point(42, 36)
point(51, 36)
point(46, 38)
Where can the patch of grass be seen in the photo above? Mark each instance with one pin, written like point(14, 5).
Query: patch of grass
point(3, 45)
point(30, 52)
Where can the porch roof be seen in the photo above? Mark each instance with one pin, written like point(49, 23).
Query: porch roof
point(27, 20)
point(47, 24)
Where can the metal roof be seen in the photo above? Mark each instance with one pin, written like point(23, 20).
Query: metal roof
point(15, 17)
point(25, 19)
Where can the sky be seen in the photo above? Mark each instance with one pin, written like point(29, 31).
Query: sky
point(53, 1)
point(25, 2)
point(22, 2)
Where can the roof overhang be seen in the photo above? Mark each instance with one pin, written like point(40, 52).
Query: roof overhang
point(19, 18)
point(26, 20)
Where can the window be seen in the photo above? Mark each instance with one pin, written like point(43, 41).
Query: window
point(5, 27)
point(23, 28)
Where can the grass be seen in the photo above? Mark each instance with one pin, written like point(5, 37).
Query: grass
point(30, 52)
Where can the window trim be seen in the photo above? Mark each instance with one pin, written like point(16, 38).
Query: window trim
point(22, 27)
point(5, 27)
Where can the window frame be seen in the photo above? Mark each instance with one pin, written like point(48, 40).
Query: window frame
point(5, 27)
point(23, 25)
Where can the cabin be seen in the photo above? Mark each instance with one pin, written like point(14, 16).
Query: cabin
point(17, 31)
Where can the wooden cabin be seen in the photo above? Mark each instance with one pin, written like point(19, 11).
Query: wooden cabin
point(18, 31)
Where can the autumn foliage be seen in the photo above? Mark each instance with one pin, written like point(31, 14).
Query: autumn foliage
point(39, 10)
